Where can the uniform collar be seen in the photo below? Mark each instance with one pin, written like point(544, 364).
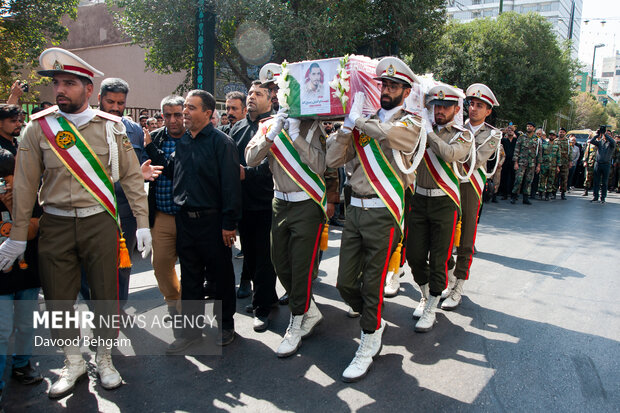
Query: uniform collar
point(387, 115)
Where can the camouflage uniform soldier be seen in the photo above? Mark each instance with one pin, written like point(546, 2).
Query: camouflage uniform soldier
point(527, 159)
point(589, 159)
point(546, 147)
point(552, 154)
point(564, 162)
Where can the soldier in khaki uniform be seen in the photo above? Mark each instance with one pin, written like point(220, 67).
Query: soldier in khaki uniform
point(436, 203)
point(487, 142)
point(377, 150)
point(298, 218)
point(76, 230)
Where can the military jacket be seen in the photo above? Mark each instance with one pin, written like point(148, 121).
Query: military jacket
point(528, 151)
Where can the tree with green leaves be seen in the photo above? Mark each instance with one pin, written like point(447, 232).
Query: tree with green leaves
point(588, 113)
point(518, 57)
point(254, 32)
point(27, 27)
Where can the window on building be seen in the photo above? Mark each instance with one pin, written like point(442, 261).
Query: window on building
point(476, 14)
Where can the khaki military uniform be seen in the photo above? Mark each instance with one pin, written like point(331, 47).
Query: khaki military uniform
point(371, 234)
point(470, 202)
point(434, 215)
point(69, 244)
point(296, 224)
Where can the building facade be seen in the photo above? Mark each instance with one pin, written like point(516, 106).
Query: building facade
point(564, 15)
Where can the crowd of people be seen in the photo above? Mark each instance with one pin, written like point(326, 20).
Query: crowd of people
point(413, 185)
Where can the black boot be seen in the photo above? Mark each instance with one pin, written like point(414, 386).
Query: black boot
point(513, 198)
point(564, 196)
point(585, 192)
point(526, 200)
point(546, 196)
point(494, 199)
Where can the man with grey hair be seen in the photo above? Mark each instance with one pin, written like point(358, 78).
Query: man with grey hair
point(160, 147)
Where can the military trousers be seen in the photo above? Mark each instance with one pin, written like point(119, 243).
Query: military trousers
point(545, 178)
point(563, 175)
point(369, 238)
point(432, 224)
point(408, 201)
point(470, 207)
point(589, 176)
point(296, 229)
point(523, 177)
point(66, 246)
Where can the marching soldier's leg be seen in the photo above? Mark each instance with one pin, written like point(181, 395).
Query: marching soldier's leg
point(528, 177)
point(564, 180)
point(443, 218)
point(351, 260)
point(418, 245)
point(518, 181)
point(470, 204)
point(306, 222)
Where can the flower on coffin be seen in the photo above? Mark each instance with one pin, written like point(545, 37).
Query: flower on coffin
point(283, 83)
point(340, 83)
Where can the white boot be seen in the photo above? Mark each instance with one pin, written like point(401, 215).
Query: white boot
point(424, 289)
point(392, 284)
point(74, 370)
point(454, 299)
point(426, 322)
point(108, 375)
point(451, 280)
point(370, 346)
point(292, 339)
point(312, 317)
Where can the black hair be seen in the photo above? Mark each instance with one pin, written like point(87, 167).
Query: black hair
point(7, 163)
point(113, 85)
point(235, 94)
point(208, 101)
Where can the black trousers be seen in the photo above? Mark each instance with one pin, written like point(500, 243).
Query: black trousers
point(200, 247)
point(601, 177)
point(254, 229)
point(508, 178)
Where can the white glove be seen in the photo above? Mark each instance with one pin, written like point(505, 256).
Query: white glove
point(9, 251)
point(278, 124)
point(144, 241)
point(292, 125)
point(428, 122)
point(357, 106)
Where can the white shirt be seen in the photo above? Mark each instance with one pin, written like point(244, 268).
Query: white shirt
point(473, 128)
point(79, 119)
point(386, 115)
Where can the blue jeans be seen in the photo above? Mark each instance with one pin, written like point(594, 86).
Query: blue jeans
point(16, 315)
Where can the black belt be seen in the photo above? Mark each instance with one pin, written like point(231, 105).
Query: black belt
point(371, 196)
point(199, 213)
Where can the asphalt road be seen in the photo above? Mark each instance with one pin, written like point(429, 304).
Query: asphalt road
point(538, 330)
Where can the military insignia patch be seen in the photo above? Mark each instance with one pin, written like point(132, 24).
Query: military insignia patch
point(492, 143)
point(269, 75)
point(440, 95)
point(57, 65)
point(127, 143)
point(390, 71)
point(323, 140)
point(65, 139)
point(364, 140)
point(478, 93)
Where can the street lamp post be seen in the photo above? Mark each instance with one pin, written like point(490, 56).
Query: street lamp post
point(596, 46)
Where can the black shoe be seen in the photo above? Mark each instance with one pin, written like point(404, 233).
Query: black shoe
point(26, 374)
point(283, 300)
point(602, 201)
point(526, 201)
point(227, 337)
point(181, 344)
point(494, 199)
point(513, 200)
point(563, 196)
point(245, 289)
point(239, 255)
point(547, 196)
point(594, 200)
point(585, 193)
point(553, 195)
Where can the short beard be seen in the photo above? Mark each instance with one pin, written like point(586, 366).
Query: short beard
point(392, 102)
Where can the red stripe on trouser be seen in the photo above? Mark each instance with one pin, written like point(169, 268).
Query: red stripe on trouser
point(314, 253)
point(473, 243)
point(450, 249)
point(383, 274)
point(118, 258)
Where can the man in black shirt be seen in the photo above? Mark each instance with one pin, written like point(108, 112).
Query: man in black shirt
point(206, 186)
point(257, 188)
point(508, 173)
point(10, 126)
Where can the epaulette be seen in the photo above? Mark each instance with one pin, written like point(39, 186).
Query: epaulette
point(44, 112)
point(459, 127)
point(491, 126)
point(266, 119)
point(107, 115)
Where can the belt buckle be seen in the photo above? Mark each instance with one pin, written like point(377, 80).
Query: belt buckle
point(365, 208)
point(285, 196)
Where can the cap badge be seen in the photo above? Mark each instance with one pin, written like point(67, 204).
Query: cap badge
point(390, 71)
point(440, 94)
point(478, 93)
point(57, 65)
point(269, 75)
